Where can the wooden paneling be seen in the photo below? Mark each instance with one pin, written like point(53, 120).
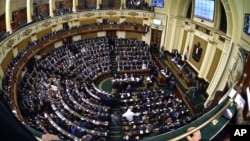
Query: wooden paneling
point(6, 60)
point(214, 65)
point(156, 37)
point(112, 18)
point(89, 35)
point(47, 49)
point(44, 8)
point(91, 4)
point(20, 15)
point(68, 4)
point(110, 4)
point(136, 20)
point(2, 23)
point(137, 36)
point(82, 4)
point(42, 33)
point(88, 21)
point(23, 44)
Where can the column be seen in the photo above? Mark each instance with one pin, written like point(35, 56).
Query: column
point(51, 8)
point(98, 2)
point(8, 17)
point(210, 50)
point(74, 6)
point(29, 17)
point(148, 2)
point(216, 79)
point(31, 8)
point(124, 4)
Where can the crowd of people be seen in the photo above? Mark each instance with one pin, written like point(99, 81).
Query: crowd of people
point(57, 84)
point(152, 112)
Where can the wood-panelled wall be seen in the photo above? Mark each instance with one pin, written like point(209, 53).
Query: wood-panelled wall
point(46, 50)
point(91, 4)
point(68, 4)
point(112, 18)
point(23, 44)
point(44, 32)
point(2, 23)
point(89, 35)
point(9, 56)
point(87, 21)
point(44, 8)
point(20, 15)
point(136, 20)
point(137, 36)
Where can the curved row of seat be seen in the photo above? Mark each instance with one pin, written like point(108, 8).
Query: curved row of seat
point(59, 72)
point(56, 86)
point(156, 112)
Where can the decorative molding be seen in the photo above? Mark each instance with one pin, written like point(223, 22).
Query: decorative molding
point(99, 13)
point(110, 13)
point(78, 16)
point(46, 23)
point(202, 29)
point(89, 14)
point(122, 13)
point(133, 13)
point(10, 43)
point(67, 18)
point(27, 32)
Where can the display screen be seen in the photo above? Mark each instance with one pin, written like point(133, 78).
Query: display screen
point(204, 9)
point(158, 3)
point(247, 24)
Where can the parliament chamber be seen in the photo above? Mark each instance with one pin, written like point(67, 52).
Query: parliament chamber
point(124, 70)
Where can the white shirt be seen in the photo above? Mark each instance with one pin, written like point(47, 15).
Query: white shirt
point(129, 115)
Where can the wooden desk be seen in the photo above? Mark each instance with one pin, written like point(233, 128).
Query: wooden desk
point(177, 72)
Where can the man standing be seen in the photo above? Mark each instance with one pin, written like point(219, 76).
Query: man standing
point(114, 119)
point(129, 115)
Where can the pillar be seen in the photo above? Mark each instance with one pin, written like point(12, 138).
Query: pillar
point(148, 2)
point(29, 11)
point(8, 17)
point(210, 50)
point(51, 8)
point(74, 9)
point(124, 4)
point(98, 2)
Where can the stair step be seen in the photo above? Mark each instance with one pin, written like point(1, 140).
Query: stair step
point(115, 127)
point(115, 138)
point(114, 132)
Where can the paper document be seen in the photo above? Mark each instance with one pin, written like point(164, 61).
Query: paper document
point(248, 97)
point(240, 101)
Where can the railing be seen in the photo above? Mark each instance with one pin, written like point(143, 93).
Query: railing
point(218, 114)
point(202, 123)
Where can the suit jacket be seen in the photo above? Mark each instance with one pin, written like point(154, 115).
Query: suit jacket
point(197, 51)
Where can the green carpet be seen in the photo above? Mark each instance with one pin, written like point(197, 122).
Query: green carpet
point(106, 85)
